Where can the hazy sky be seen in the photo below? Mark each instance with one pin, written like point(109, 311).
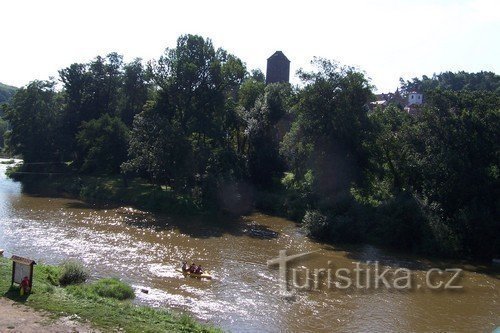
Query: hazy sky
point(387, 39)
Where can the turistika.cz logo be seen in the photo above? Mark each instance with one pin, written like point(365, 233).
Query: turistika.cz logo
point(366, 276)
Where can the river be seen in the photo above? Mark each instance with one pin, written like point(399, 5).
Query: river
point(145, 250)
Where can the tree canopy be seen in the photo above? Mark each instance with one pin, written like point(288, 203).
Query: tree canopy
point(198, 125)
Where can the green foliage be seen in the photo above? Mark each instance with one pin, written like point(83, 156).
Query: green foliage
point(95, 192)
point(6, 93)
point(338, 219)
point(266, 123)
point(481, 81)
point(446, 157)
point(108, 288)
point(4, 126)
point(205, 135)
point(135, 91)
point(249, 91)
point(330, 128)
point(34, 116)
point(183, 137)
point(104, 86)
point(157, 149)
point(104, 142)
point(105, 313)
point(315, 224)
point(73, 272)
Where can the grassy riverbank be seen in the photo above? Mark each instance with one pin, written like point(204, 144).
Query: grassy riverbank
point(107, 190)
point(85, 301)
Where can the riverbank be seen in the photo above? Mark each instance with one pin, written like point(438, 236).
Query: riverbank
point(105, 190)
point(88, 308)
point(401, 224)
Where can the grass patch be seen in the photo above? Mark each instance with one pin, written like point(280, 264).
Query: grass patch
point(72, 272)
point(108, 288)
point(86, 300)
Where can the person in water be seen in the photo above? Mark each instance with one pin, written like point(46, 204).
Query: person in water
point(199, 270)
point(193, 268)
point(185, 267)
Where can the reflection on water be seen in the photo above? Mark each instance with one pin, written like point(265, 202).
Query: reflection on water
point(146, 250)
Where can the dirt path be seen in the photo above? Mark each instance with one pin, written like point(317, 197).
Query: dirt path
point(15, 317)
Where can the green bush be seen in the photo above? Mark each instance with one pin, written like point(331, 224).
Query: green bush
point(113, 288)
point(72, 272)
point(96, 192)
point(315, 224)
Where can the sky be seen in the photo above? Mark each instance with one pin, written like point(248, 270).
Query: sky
point(387, 39)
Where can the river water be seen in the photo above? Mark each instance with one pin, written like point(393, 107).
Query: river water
point(146, 250)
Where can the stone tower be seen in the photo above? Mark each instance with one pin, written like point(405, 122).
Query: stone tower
point(278, 68)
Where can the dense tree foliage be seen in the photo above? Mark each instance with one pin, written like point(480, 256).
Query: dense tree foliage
point(446, 163)
point(104, 142)
point(481, 81)
point(199, 126)
point(6, 93)
point(194, 117)
point(34, 114)
point(4, 126)
point(330, 128)
point(266, 123)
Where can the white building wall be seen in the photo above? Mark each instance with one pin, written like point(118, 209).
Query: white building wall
point(415, 98)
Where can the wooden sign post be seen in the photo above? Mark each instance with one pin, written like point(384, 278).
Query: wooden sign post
point(22, 268)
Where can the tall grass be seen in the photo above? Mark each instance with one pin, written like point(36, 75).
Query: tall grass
point(73, 272)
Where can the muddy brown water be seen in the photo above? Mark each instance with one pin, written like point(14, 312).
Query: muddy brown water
point(146, 250)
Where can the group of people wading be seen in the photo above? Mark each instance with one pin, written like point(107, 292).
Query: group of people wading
point(193, 269)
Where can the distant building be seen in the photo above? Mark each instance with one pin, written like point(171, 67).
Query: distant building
point(278, 68)
point(415, 98)
point(412, 104)
point(383, 100)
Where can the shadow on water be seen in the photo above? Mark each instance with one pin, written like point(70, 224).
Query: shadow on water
point(86, 205)
point(200, 226)
point(386, 257)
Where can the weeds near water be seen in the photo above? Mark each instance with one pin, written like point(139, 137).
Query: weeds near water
point(73, 272)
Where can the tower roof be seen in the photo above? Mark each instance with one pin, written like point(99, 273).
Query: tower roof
point(278, 54)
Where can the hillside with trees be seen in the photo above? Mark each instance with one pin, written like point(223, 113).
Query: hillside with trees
point(6, 92)
point(204, 130)
point(459, 81)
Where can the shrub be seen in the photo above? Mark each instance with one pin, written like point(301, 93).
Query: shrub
point(113, 288)
point(72, 273)
point(96, 192)
point(402, 223)
point(315, 224)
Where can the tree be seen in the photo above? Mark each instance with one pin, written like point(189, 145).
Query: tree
point(481, 81)
point(104, 142)
point(6, 93)
point(257, 75)
point(3, 129)
point(157, 149)
point(134, 91)
point(266, 123)
point(455, 153)
point(194, 104)
point(34, 114)
point(90, 90)
point(331, 127)
point(250, 90)
point(389, 150)
point(447, 160)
